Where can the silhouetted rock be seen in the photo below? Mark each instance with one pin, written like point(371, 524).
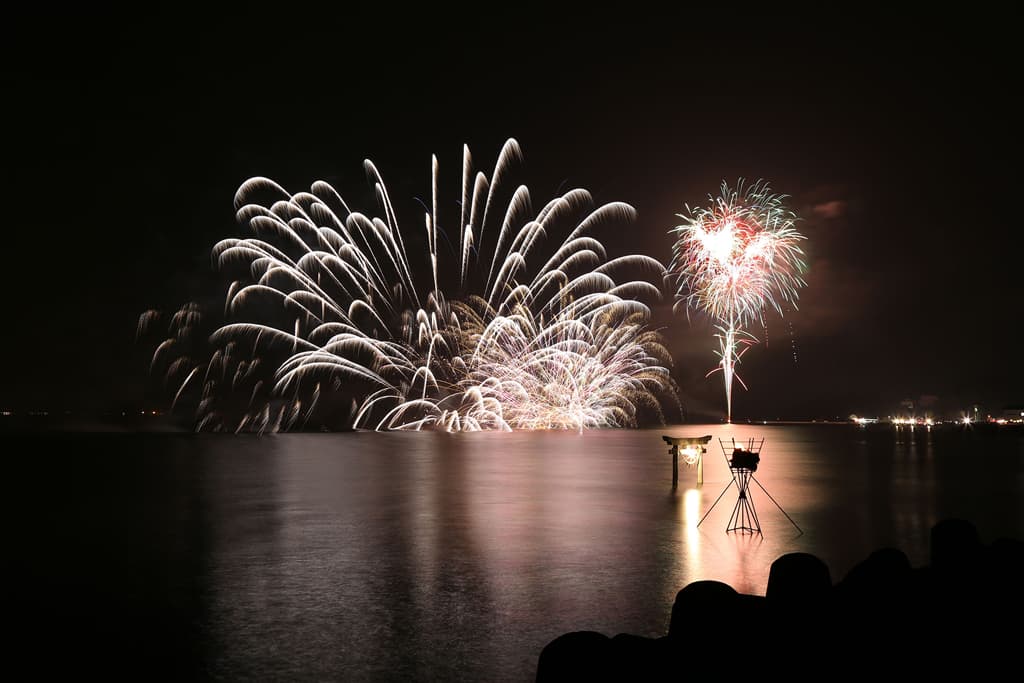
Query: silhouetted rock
point(879, 569)
point(576, 656)
point(638, 658)
point(703, 605)
point(798, 579)
point(877, 583)
point(873, 611)
point(952, 596)
point(885, 618)
point(955, 545)
point(705, 621)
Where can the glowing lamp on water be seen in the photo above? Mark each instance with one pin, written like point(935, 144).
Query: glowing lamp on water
point(692, 449)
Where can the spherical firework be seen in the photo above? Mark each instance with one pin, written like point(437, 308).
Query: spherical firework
point(734, 259)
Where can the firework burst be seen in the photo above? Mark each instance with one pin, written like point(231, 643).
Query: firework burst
point(334, 310)
point(734, 259)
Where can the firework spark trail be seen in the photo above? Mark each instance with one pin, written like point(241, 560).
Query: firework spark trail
point(327, 301)
point(734, 259)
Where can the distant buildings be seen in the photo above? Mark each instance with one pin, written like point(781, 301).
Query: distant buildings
point(1013, 415)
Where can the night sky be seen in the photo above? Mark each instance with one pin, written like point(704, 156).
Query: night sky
point(897, 138)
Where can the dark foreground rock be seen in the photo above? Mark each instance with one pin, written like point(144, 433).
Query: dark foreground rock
point(958, 615)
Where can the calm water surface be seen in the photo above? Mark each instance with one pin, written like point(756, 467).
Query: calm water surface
point(443, 557)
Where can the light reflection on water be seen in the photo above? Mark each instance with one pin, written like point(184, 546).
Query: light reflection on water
point(437, 556)
point(462, 555)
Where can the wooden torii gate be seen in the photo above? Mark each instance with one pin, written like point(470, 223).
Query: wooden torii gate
point(693, 449)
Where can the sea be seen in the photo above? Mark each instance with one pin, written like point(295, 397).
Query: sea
point(433, 556)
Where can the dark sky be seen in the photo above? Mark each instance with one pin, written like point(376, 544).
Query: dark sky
point(896, 136)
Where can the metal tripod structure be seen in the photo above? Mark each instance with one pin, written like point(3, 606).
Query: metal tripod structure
point(744, 516)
